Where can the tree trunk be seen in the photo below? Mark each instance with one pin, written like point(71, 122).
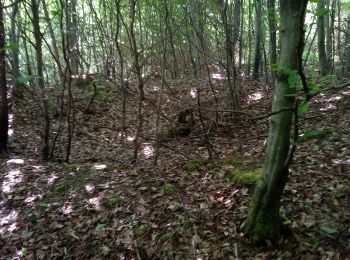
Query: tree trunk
point(257, 47)
point(40, 79)
point(321, 43)
point(3, 88)
point(263, 222)
point(346, 62)
point(272, 28)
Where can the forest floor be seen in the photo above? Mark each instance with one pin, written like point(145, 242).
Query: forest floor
point(187, 207)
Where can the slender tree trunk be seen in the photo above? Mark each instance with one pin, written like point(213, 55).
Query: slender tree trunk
point(321, 43)
point(258, 34)
point(346, 62)
point(263, 222)
point(273, 36)
point(40, 79)
point(4, 125)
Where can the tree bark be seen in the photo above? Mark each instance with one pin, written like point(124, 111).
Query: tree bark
point(258, 34)
point(321, 42)
point(4, 125)
point(263, 222)
point(273, 36)
point(40, 79)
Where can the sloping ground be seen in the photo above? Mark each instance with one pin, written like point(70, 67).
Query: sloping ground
point(101, 206)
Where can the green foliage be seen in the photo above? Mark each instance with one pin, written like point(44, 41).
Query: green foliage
point(187, 225)
point(244, 177)
point(214, 170)
point(72, 181)
point(111, 202)
point(328, 230)
point(168, 188)
point(315, 134)
point(303, 107)
point(168, 235)
point(60, 188)
point(101, 226)
point(192, 165)
point(10, 46)
point(234, 160)
point(142, 229)
point(322, 12)
point(293, 78)
point(180, 130)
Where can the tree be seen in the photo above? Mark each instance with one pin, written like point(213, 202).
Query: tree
point(264, 221)
point(4, 125)
point(321, 35)
point(273, 35)
point(258, 36)
point(45, 150)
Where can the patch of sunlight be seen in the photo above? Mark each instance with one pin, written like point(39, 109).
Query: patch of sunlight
point(89, 188)
point(77, 76)
point(96, 203)
point(30, 200)
point(328, 107)
point(346, 93)
point(218, 76)
point(130, 138)
point(338, 161)
point(11, 179)
point(8, 221)
point(67, 208)
point(193, 93)
point(156, 88)
point(10, 130)
point(15, 161)
point(100, 166)
point(336, 98)
point(38, 168)
point(148, 150)
point(51, 180)
point(256, 96)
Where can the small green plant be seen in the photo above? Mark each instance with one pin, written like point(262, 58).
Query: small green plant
point(112, 201)
point(192, 165)
point(168, 235)
point(234, 160)
point(81, 168)
point(24, 252)
point(168, 188)
point(214, 170)
point(60, 188)
point(142, 229)
point(180, 130)
point(244, 177)
point(187, 224)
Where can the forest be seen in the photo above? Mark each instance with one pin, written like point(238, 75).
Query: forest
point(174, 129)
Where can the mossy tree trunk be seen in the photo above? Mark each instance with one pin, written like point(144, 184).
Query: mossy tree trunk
point(263, 222)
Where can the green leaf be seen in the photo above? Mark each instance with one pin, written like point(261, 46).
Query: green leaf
point(340, 195)
point(10, 46)
point(23, 80)
point(312, 134)
point(315, 1)
point(328, 230)
point(322, 12)
point(101, 226)
point(290, 95)
point(293, 78)
point(303, 107)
